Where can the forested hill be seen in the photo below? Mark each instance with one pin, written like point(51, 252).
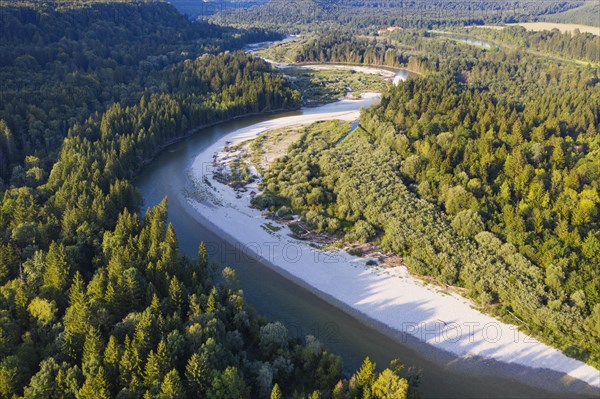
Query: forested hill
point(482, 172)
point(587, 14)
point(361, 15)
point(512, 162)
point(95, 299)
point(59, 65)
point(194, 8)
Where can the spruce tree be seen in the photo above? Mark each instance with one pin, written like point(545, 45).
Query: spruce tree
point(197, 374)
point(172, 387)
point(276, 392)
point(56, 275)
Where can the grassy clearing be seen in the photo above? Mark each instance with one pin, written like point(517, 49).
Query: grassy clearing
point(540, 26)
point(326, 86)
point(283, 52)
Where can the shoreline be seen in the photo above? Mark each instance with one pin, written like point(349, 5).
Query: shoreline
point(379, 302)
point(540, 378)
point(375, 68)
point(145, 162)
point(196, 129)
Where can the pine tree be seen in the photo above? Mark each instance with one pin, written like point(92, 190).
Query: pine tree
point(276, 392)
point(318, 395)
point(93, 348)
point(170, 254)
point(211, 304)
point(77, 320)
point(163, 357)
point(96, 386)
point(56, 275)
point(366, 374)
point(145, 333)
point(112, 355)
point(176, 294)
point(202, 261)
point(130, 365)
point(389, 386)
point(197, 374)
point(152, 371)
point(590, 132)
point(340, 390)
point(9, 262)
point(172, 388)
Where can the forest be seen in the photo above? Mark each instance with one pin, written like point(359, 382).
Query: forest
point(96, 300)
point(337, 46)
point(482, 173)
point(421, 50)
point(586, 14)
point(368, 16)
point(58, 66)
point(202, 9)
point(577, 46)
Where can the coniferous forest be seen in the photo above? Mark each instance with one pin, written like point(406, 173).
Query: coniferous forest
point(95, 299)
point(365, 15)
point(482, 172)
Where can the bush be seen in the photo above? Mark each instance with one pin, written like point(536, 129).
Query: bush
point(458, 199)
point(468, 223)
point(412, 166)
point(284, 212)
point(362, 231)
point(354, 251)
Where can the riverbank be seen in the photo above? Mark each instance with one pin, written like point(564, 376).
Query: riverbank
point(196, 129)
point(388, 299)
point(393, 74)
point(555, 383)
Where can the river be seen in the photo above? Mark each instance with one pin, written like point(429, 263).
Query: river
point(396, 75)
point(277, 298)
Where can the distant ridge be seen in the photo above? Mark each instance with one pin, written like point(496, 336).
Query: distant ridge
point(360, 14)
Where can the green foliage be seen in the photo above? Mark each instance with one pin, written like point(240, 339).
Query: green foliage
point(577, 46)
point(324, 86)
point(479, 174)
point(197, 374)
point(467, 223)
point(56, 274)
point(95, 386)
point(369, 16)
point(586, 14)
point(42, 310)
point(527, 175)
point(335, 46)
point(60, 64)
point(276, 392)
point(172, 387)
point(228, 385)
point(97, 301)
point(365, 376)
point(390, 386)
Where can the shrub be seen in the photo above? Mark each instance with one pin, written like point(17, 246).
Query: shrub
point(468, 223)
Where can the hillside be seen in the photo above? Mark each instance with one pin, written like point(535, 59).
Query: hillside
point(59, 65)
point(96, 300)
point(194, 9)
point(492, 181)
point(587, 14)
point(300, 15)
